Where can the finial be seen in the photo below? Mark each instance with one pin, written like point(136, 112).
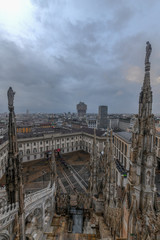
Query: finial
point(10, 94)
point(148, 53)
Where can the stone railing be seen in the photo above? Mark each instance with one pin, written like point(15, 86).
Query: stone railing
point(37, 200)
point(31, 201)
point(7, 214)
point(3, 191)
point(34, 197)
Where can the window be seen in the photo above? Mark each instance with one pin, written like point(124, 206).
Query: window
point(20, 145)
point(122, 146)
point(57, 140)
point(57, 145)
point(67, 139)
point(47, 148)
point(28, 151)
point(72, 138)
point(34, 150)
point(41, 142)
point(67, 145)
point(41, 155)
point(27, 144)
point(62, 145)
point(125, 149)
point(28, 158)
point(35, 156)
point(34, 143)
point(41, 149)
point(46, 142)
point(21, 153)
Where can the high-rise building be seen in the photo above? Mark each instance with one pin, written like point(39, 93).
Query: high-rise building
point(81, 109)
point(102, 115)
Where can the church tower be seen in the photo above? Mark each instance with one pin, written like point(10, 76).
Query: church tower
point(14, 185)
point(141, 190)
point(142, 174)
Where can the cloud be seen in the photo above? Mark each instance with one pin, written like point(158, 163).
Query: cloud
point(134, 74)
point(65, 51)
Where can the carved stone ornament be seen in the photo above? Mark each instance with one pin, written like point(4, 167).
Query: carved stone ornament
point(10, 94)
point(148, 52)
point(136, 126)
point(150, 160)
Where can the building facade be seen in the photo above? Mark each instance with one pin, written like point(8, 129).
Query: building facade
point(81, 109)
point(103, 116)
point(92, 123)
point(34, 147)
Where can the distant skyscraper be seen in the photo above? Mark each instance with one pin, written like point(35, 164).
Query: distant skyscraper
point(102, 115)
point(81, 109)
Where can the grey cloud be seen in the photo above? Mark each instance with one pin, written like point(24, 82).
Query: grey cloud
point(75, 58)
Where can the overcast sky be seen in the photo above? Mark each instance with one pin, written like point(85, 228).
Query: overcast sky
point(55, 53)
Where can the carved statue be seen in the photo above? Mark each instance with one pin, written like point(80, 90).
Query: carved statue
point(10, 94)
point(148, 52)
point(148, 178)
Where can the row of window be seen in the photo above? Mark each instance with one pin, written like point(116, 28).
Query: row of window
point(120, 157)
point(28, 151)
point(120, 145)
point(42, 155)
point(47, 142)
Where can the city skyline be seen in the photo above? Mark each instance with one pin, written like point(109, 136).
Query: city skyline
point(57, 54)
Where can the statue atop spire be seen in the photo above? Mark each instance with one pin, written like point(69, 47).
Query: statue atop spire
point(10, 95)
point(148, 52)
point(14, 181)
